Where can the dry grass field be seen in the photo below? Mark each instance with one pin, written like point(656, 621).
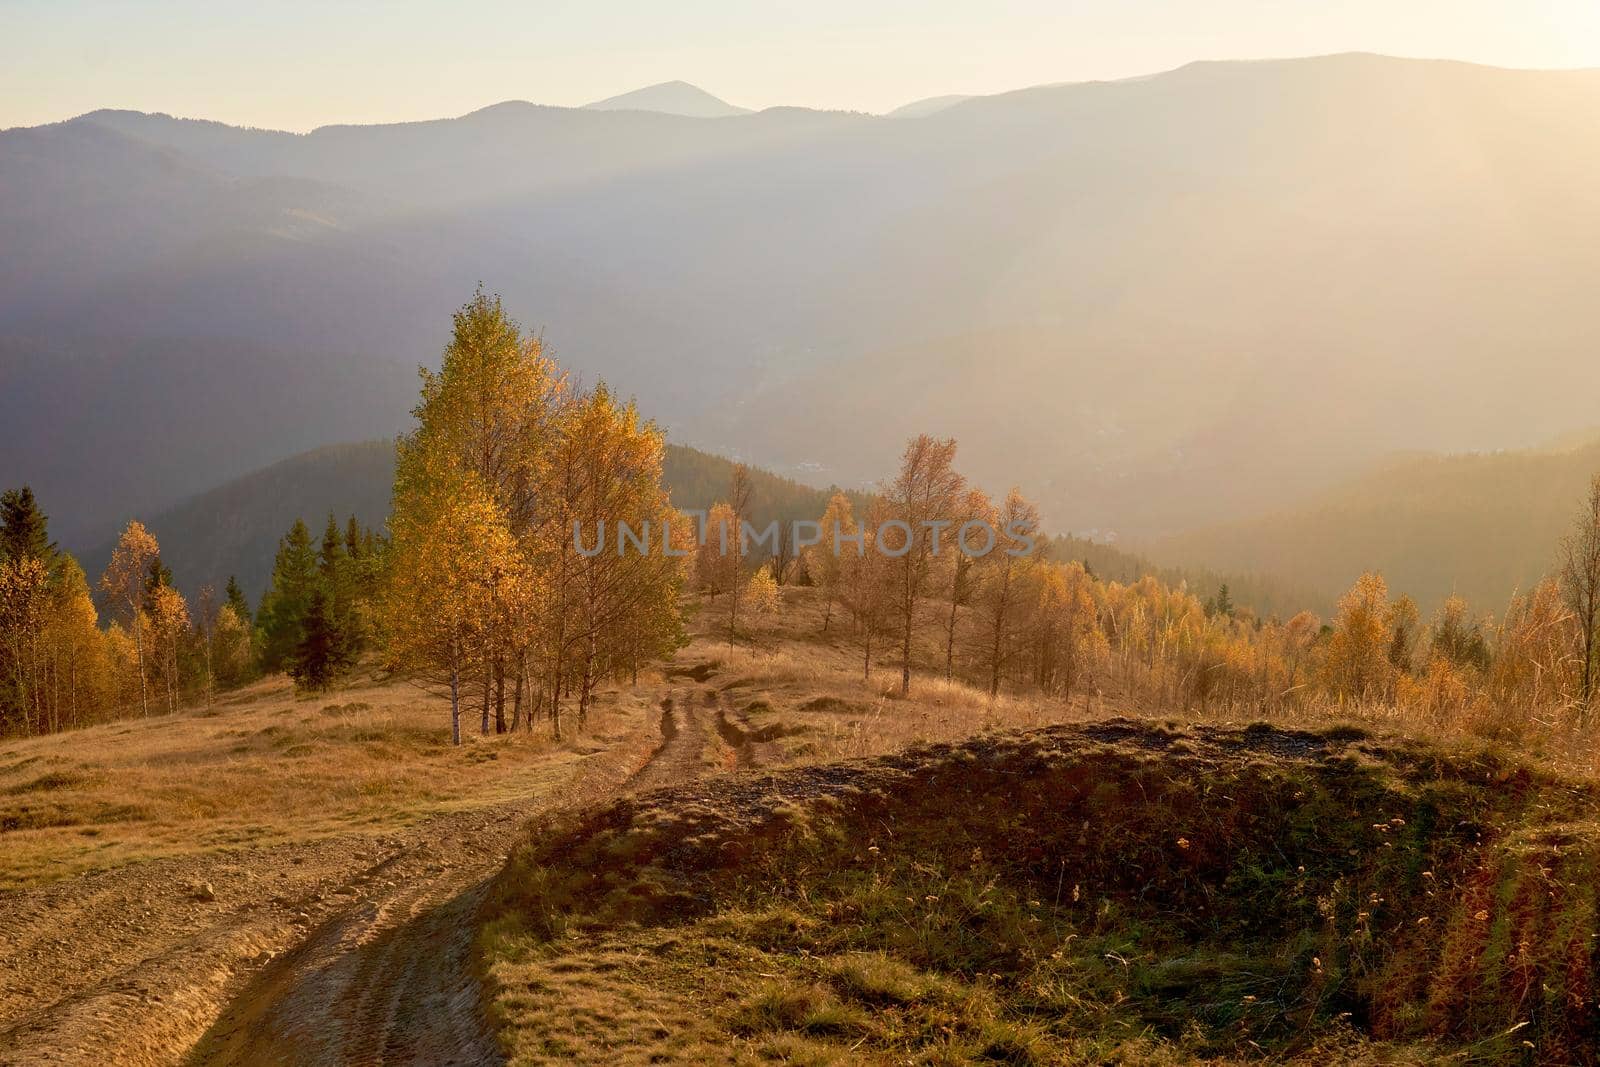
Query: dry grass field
point(758, 855)
point(263, 766)
point(173, 883)
point(949, 879)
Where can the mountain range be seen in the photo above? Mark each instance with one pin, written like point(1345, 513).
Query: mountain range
point(1157, 304)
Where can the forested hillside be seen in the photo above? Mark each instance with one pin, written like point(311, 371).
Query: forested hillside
point(1263, 594)
point(234, 528)
point(1483, 526)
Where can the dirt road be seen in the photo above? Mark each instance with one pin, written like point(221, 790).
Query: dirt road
point(346, 951)
point(391, 982)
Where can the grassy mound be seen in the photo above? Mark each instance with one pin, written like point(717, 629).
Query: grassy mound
point(1110, 893)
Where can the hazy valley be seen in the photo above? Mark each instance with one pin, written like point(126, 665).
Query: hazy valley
point(253, 294)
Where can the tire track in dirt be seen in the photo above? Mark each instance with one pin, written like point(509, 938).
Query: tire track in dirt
point(683, 750)
point(335, 998)
point(127, 965)
point(751, 747)
point(393, 983)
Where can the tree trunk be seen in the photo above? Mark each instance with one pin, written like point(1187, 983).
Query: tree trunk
point(950, 642)
point(516, 700)
point(586, 684)
point(488, 681)
point(555, 706)
point(499, 696)
point(455, 705)
point(997, 640)
point(138, 644)
point(1587, 690)
point(905, 653)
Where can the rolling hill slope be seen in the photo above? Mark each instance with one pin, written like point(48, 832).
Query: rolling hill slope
point(1483, 526)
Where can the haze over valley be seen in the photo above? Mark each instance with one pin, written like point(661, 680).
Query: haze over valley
point(1161, 303)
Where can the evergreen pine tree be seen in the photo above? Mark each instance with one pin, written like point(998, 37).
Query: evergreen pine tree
point(24, 530)
point(315, 660)
point(237, 601)
point(157, 576)
point(352, 538)
point(283, 609)
point(333, 555)
point(339, 569)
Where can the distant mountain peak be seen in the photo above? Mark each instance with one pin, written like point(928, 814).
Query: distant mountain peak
point(671, 98)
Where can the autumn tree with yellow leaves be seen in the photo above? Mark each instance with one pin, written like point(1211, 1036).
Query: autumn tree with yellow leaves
point(740, 494)
point(714, 563)
point(55, 667)
point(632, 579)
point(1358, 664)
point(452, 550)
point(923, 503)
point(975, 508)
point(124, 586)
point(24, 601)
point(1579, 581)
point(1064, 633)
point(1002, 601)
point(168, 624)
point(868, 588)
point(526, 510)
point(824, 560)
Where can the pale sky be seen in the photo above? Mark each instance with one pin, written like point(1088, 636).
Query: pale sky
point(298, 64)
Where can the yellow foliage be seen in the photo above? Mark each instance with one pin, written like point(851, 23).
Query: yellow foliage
point(763, 592)
point(1357, 665)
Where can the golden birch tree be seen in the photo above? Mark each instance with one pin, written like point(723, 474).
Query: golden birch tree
point(923, 505)
point(1579, 577)
point(824, 561)
point(451, 550)
point(124, 586)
